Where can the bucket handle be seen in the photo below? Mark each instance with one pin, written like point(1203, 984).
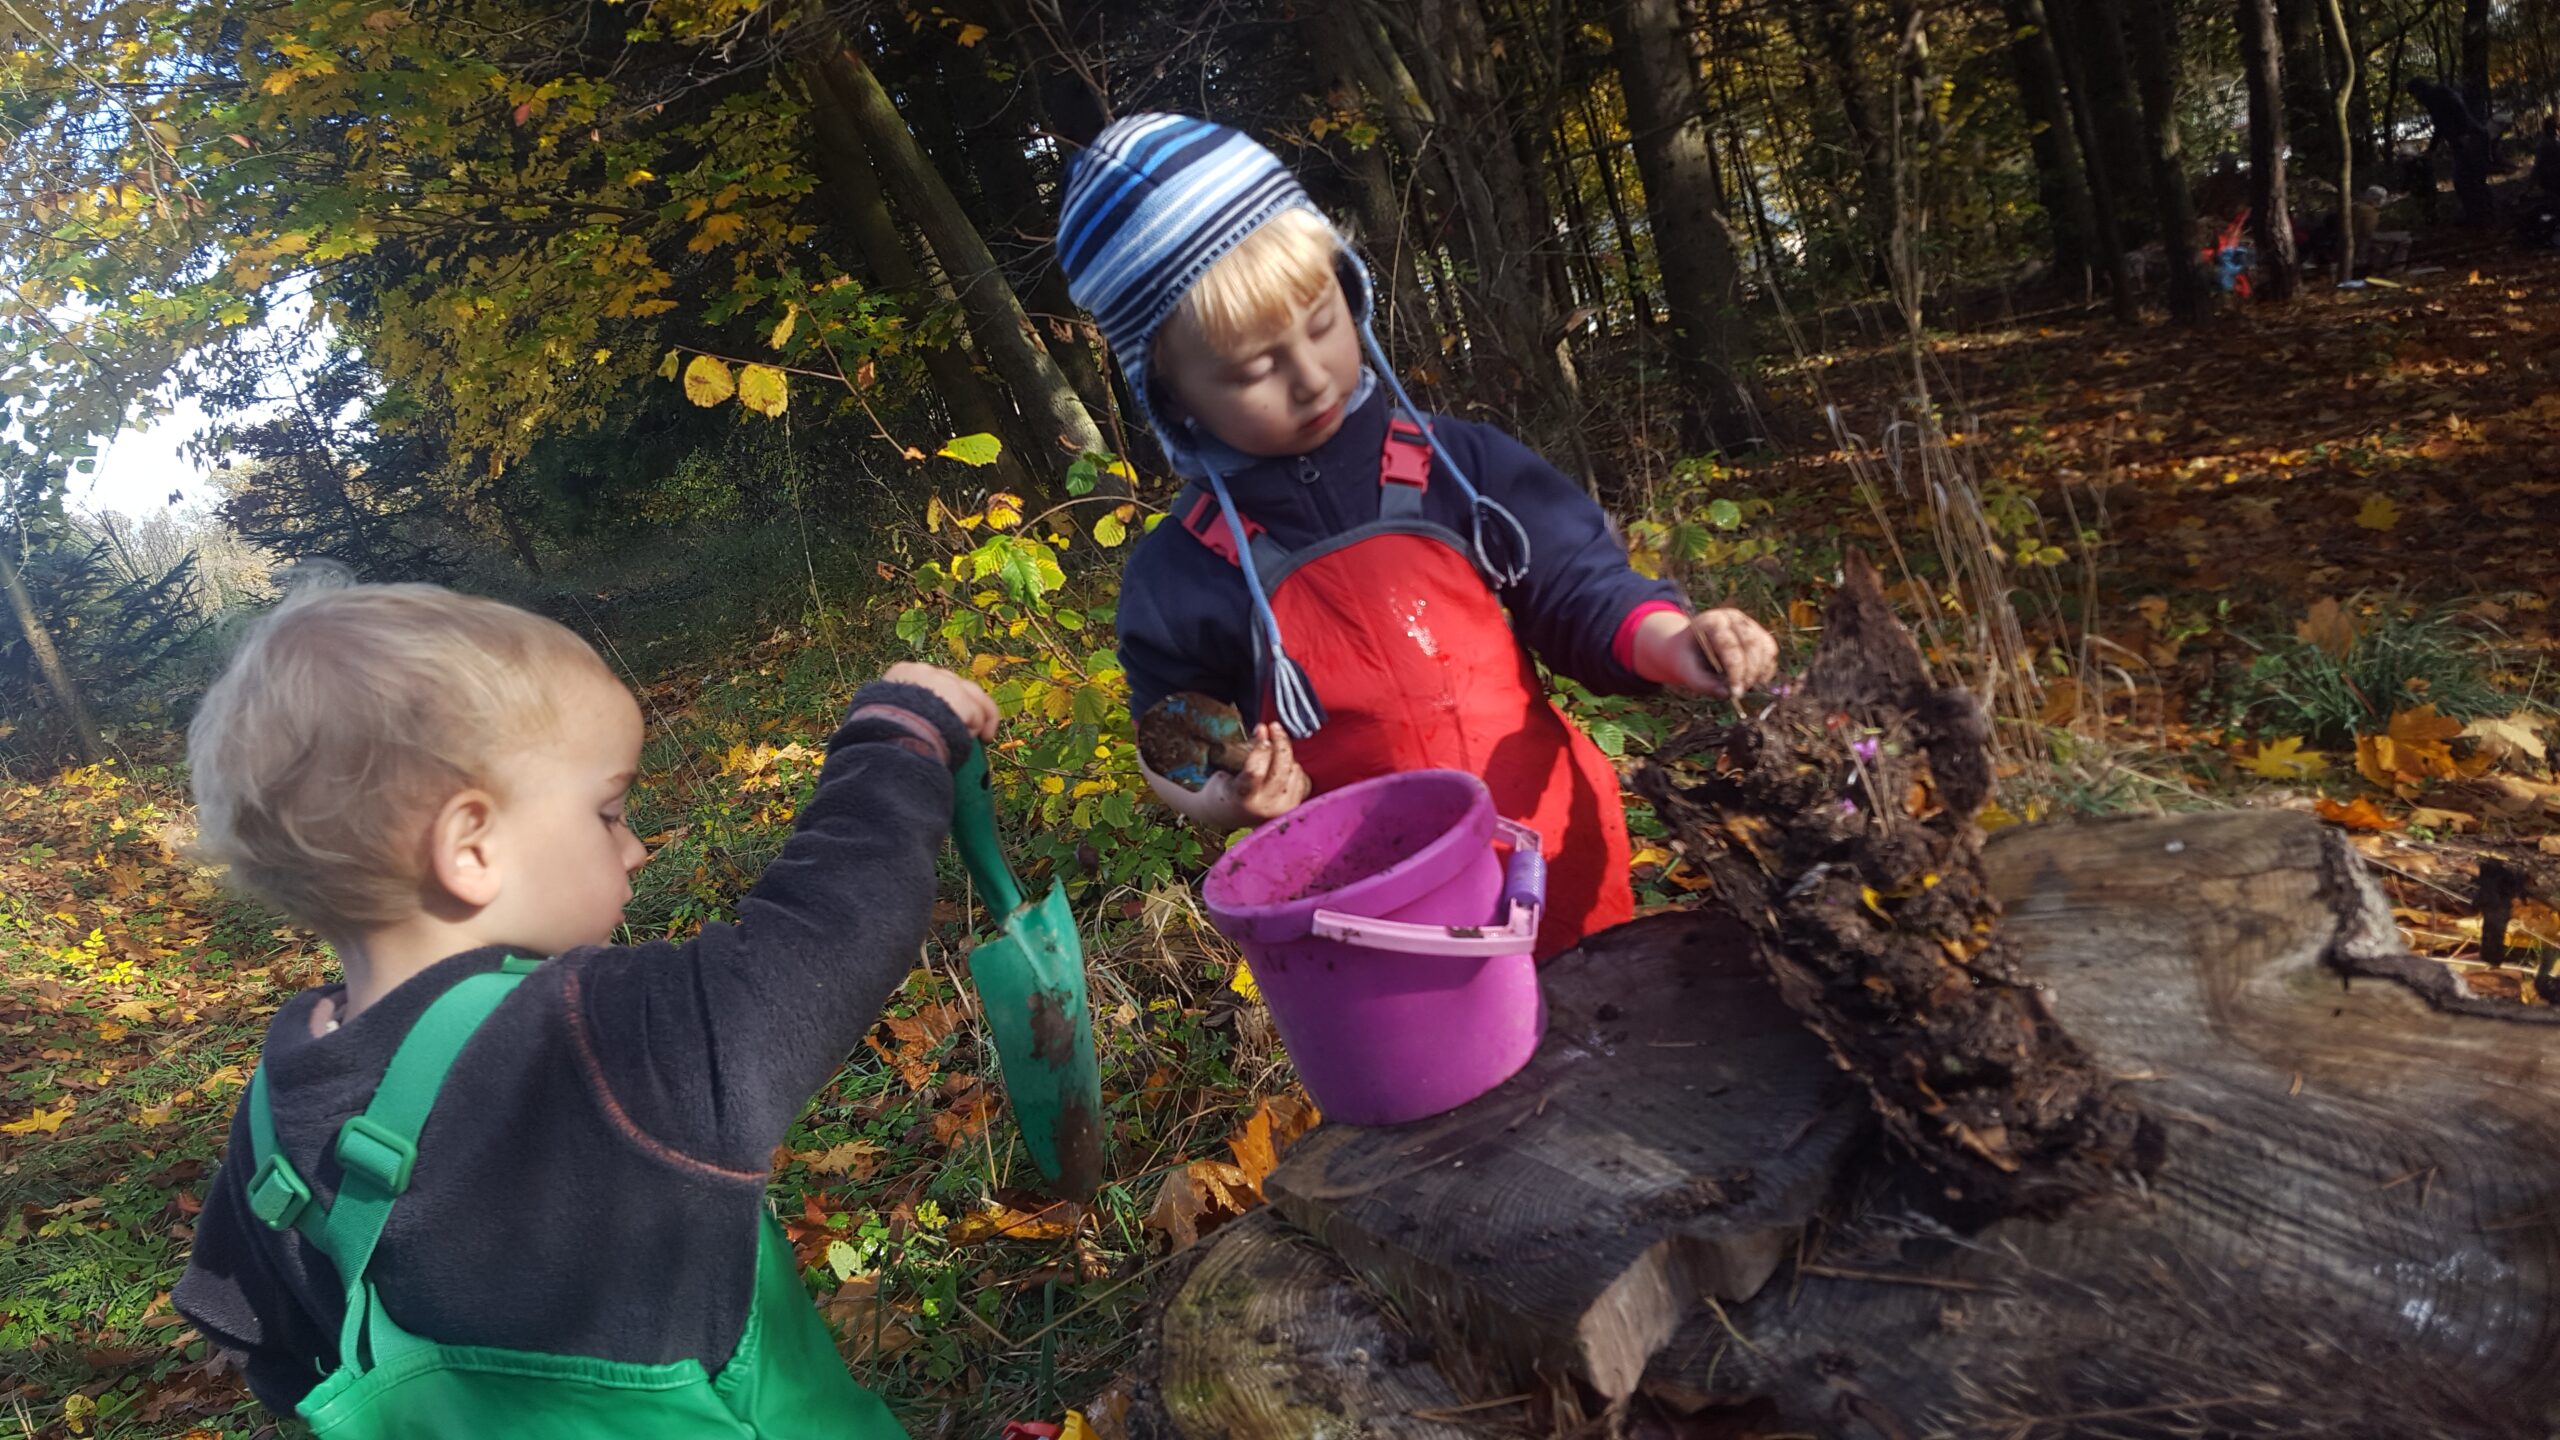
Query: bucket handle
point(1524, 895)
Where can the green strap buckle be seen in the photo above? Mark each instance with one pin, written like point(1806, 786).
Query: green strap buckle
point(372, 1150)
point(518, 965)
point(277, 1195)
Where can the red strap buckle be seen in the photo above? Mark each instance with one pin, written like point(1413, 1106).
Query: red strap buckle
point(1210, 528)
point(1406, 457)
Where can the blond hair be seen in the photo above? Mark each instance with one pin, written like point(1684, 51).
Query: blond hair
point(1264, 282)
point(345, 716)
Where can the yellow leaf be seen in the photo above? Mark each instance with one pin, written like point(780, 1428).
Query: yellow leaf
point(717, 230)
point(1649, 855)
point(970, 35)
point(1003, 1222)
point(2285, 759)
point(707, 382)
point(2378, 513)
point(782, 331)
point(137, 1011)
point(1243, 983)
point(667, 367)
point(39, 1121)
point(111, 1032)
point(1276, 1125)
point(764, 390)
point(2515, 737)
point(155, 1115)
point(1110, 531)
point(1003, 511)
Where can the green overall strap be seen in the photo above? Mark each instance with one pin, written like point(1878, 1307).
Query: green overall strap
point(378, 1149)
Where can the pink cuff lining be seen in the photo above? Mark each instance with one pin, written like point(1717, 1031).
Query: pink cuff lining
point(925, 738)
point(1622, 647)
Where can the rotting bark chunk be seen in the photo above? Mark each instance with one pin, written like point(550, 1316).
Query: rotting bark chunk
point(1839, 827)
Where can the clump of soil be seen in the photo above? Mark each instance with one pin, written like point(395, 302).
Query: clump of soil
point(1839, 827)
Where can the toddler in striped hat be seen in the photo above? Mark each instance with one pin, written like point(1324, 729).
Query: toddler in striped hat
point(1373, 586)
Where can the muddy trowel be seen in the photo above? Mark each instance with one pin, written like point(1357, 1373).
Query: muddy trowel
point(1030, 979)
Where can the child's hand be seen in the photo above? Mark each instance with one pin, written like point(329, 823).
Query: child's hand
point(1721, 652)
point(978, 713)
point(1272, 783)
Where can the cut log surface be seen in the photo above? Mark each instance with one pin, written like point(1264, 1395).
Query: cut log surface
point(1270, 1336)
point(1670, 1138)
point(2355, 1230)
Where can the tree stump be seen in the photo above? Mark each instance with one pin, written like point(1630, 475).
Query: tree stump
point(2179, 1140)
point(1668, 1141)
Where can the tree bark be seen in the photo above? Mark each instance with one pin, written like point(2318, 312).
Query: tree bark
point(2062, 186)
point(1604, 154)
point(1684, 199)
point(57, 676)
point(2105, 72)
point(2475, 55)
point(2155, 51)
point(864, 208)
point(2344, 39)
point(2102, 194)
point(2270, 225)
point(1059, 421)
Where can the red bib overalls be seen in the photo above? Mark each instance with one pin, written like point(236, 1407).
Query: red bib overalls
point(1414, 661)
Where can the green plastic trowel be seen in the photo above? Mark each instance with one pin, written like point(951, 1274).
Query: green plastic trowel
point(1030, 979)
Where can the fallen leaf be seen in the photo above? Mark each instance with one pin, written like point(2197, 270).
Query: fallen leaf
point(2514, 738)
point(2285, 759)
point(2362, 815)
point(966, 1118)
point(1197, 1199)
point(1276, 1125)
point(2378, 513)
point(39, 1121)
point(854, 1159)
point(1003, 1222)
point(2452, 821)
point(2329, 627)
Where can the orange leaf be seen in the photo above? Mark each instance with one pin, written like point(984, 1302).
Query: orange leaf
point(1276, 1125)
point(1197, 1199)
point(2362, 815)
point(969, 1115)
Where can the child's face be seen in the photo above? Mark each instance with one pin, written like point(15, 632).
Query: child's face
point(564, 855)
point(1282, 392)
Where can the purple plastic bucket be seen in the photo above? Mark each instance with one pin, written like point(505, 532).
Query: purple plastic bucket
point(1391, 942)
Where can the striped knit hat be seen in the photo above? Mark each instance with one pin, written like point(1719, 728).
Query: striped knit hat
point(1151, 205)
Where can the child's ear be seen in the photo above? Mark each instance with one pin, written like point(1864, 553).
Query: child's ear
point(462, 848)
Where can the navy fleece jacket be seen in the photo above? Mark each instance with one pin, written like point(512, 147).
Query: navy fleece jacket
point(1185, 617)
point(593, 1174)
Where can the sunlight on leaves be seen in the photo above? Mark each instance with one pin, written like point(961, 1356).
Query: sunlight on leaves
point(707, 382)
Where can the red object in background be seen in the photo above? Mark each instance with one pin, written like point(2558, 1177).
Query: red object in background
point(1029, 1430)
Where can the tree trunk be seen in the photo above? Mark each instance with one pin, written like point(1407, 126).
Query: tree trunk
point(2062, 186)
point(2344, 39)
point(2105, 72)
point(57, 676)
point(1684, 199)
point(2155, 51)
point(2475, 55)
point(1604, 154)
point(2309, 110)
point(864, 207)
point(2102, 195)
point(1060, 423)
point(2262, 57)
point(1870, 141)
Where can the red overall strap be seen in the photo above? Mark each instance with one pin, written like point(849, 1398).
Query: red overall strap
point(1404, 470)
point(1197, 511)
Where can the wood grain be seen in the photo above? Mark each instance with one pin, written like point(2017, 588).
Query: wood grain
point(1669, 1139)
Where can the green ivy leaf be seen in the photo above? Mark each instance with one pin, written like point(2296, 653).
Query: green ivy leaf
point(980, 449)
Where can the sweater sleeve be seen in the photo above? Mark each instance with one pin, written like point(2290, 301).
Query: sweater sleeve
point(233, 1296)
point(710, 1048)
point(1574, 606)
point(1183, 624)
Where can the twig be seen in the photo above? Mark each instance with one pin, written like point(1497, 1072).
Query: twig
point(1833, 1272)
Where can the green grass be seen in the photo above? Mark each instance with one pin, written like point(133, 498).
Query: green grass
point(2397, 661)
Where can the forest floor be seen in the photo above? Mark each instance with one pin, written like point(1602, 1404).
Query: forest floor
point(2322, 574)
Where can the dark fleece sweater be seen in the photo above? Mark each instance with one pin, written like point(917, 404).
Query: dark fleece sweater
point(593, 1174)
point(1186, 621)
